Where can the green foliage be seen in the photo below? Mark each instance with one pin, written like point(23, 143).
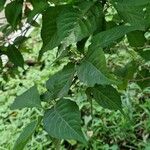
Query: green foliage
point(143, 78)
point(2, 2)
point(145, 54)
point(25, 135)
point(15, 56)
point(49, 29)
point(108, 37)
point(63, 121)
point(30, 98)
point(107, 96)
point(12, 14)
point(93, 69)
point(133, 12)
point(38, 7)
point(59, 84)
point(78, 23)
point(126, 73)
point(136, 38)
point(84, 34)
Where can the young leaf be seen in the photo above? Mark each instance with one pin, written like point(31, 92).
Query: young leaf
point(30, 98)
point(58, 85)
point(92, 69)
point(107, 97)
point(105, 38)
point(25, 136)
point(13, 13)
point(15, 56)
point(63, 121)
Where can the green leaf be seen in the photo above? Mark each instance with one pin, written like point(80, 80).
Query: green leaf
point(25, 136)
point(133, 12)
point(38, 7)
point(81, 45)
point(126, 73)
point(136, 38)
point(13, 13)
point(93, 70)
point(76, 23)
point(63, 121)
point(30, 99)
point(60, 2)
point(58, 85)
point(15, 56)
point(106, 38)
point(2, 2)
point(69, 24)
point(107, 97)
point(143, 78)
point(147, 15)
point(20, 39)
point(133, 2)
point(49, 29)
point(45, 96)
point(145, 54)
